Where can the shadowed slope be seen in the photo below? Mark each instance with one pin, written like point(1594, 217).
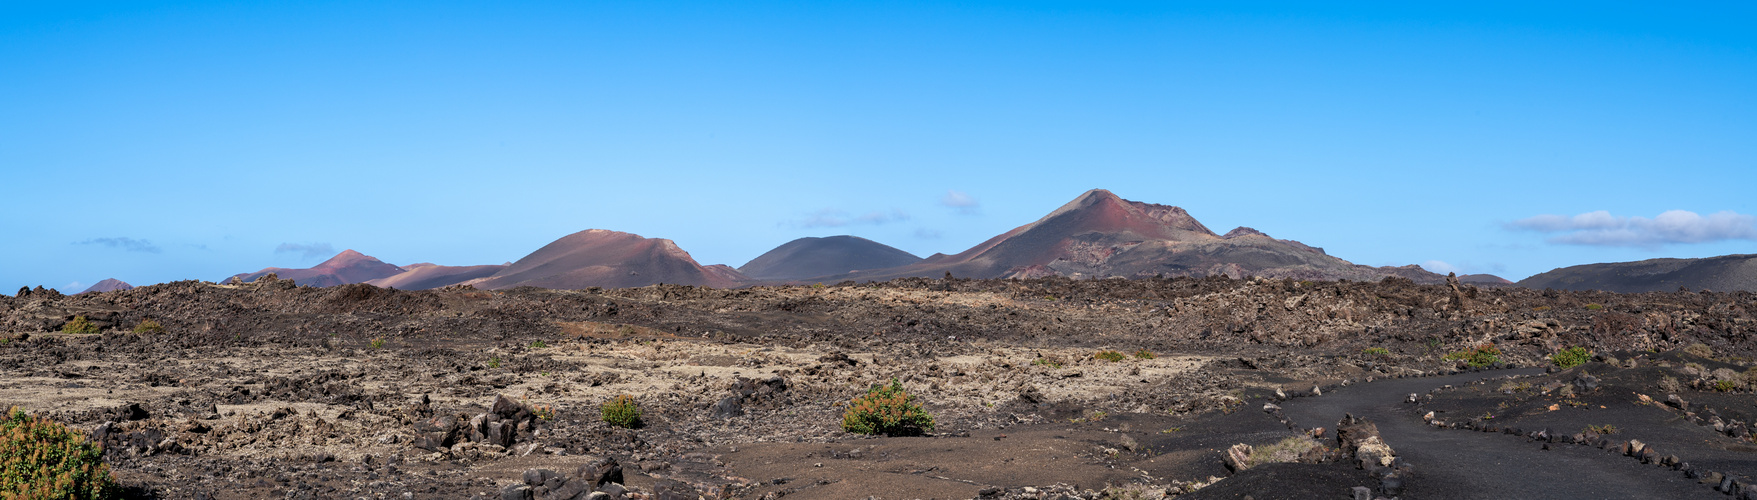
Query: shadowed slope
point(1726, 273)
point(808, 257)
point(596, 257)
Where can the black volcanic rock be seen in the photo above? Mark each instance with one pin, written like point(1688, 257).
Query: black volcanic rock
point(810, 257)
point(1726, 273)
point(108, 285)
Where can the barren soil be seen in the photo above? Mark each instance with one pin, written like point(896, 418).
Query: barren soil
point(268, 390)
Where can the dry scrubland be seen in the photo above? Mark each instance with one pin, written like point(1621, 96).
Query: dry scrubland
point(271, 390)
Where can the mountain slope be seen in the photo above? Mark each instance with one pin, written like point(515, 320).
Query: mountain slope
point(1725, 273)
point(609, 259)
point(345, 268)
point(808, 257)
point(108, 285)
point(1099, 235)
point(424, 276)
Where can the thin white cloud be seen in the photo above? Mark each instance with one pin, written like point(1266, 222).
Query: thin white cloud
point(307, 250)
point(1600, 228)
point(124, 243)
point(830, 217)
point(1440, 267)
point(961, 201)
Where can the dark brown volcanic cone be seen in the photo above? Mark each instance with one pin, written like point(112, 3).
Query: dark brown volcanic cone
point(424, 276)
point(1100, 235)
point(609, 259)
point(108, 285)
point(345, 268)
point(808, 257)
point(1726, 273)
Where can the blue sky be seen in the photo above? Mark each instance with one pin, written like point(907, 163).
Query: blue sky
point(152, 141)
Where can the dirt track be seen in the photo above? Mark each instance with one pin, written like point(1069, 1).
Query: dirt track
point(271, 390)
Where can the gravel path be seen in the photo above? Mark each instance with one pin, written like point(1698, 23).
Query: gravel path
point(1463, 464)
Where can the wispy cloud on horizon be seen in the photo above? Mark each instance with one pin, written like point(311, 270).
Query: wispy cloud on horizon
point(307, 250)
point(1600, 228)
point(123, 243)
point(830, 217)
point(963, 202)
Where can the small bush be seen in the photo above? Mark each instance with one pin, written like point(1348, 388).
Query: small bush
point(1725, 385)
point(1376, 351)
point(149, 326)
point(1600, 429)
point(494, 362)
point(621, 411)
point(378, 343)
point(1479, 356)
point(1143, 354)
point(79, 325)
point(1571, 357)
point(1047, 361)
point(1111, 356)
point(1541, 308)
point(1594, 307)
point(1699, 350)
point(1670, 385)
point(44, 459)
point(539, 345)
point(888, 410)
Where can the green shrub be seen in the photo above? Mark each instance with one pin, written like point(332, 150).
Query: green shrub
point(1047, 361)
point(79, 325)
point(1479, 356)
point(1143, 354)
point(888, 410)
point(1376, 351)
point(1571, 357)
point(43, 459)
point(539, 345)
point(1700, 350)
point(1725, 385)
point(1111, 356)
point(1594, 307)
point(378, 343)
point(494, 362)
point(1600, 429)
point(149, 326)
point(621, 411)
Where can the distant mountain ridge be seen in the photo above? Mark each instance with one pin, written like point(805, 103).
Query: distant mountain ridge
point(1099, 234)
point(1726, 273)
point(610, 259)
point(809, 257)
point(345, 268)
point(1096, 235)
point(108, 285)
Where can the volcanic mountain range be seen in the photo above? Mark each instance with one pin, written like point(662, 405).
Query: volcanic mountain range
point(1096, 235)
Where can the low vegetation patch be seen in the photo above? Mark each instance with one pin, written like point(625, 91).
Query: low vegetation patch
point(149, 326)
point(621, 411)
point(378, 343)
point(887, 410)
point(1600, 429)
point(1143, 354)
point(1571, 357)
point(1700, 350)
point(539, 345)
point(40, 458)
point(1594, 307)
point(1111, 356)
point(1376, 351)
point(1477, 357)
point(79, 325)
